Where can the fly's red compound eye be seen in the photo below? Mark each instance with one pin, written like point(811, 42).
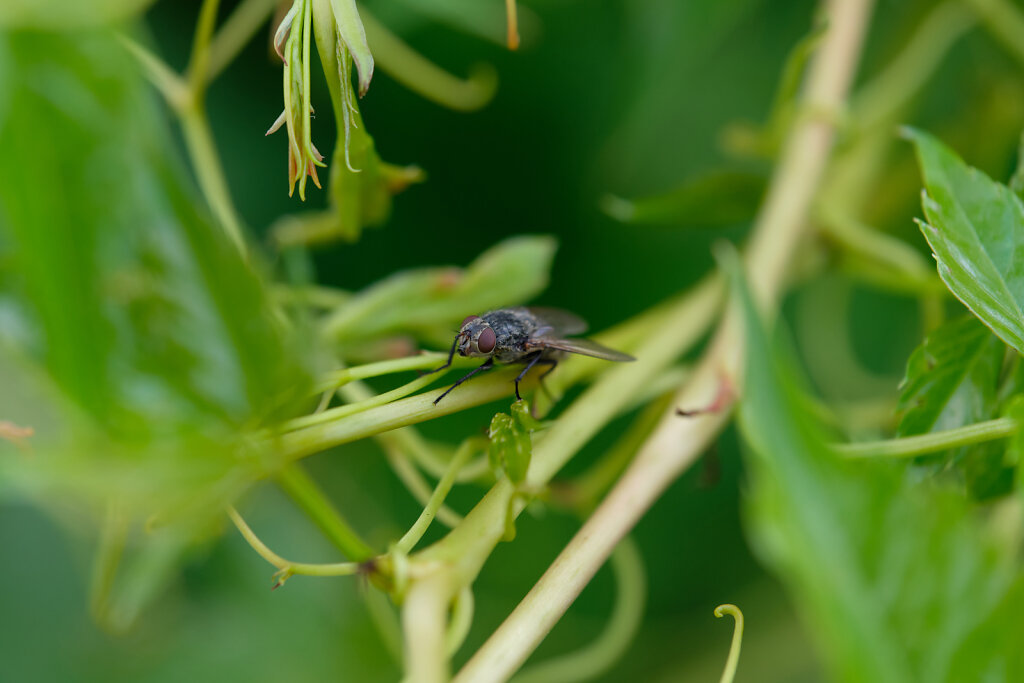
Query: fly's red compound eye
point(486, 341)
point(468, 319)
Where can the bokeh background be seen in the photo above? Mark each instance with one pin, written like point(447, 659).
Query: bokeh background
point(629, 98)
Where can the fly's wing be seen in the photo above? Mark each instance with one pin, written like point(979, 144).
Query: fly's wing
point(585, 347)
point(562, 323)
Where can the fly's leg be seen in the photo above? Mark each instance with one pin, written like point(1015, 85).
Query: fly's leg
point(488, 364)
point(538, 359)
point(553, 362)
point(451, 355)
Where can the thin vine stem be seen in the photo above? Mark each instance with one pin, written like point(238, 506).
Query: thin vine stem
point(415, 533)
point(414, 482)
point(301, 488)
point(427, 360)
point(285, 567)
point(418, 74)
point(236, 32)
point(198, 63)
point(461, 621)
point(185, 98)
point(167, 82)
point(497, 384)
point(339, 412)
point(737, 640)
point(401, 446)
point(912, 446)
point(882, 98)
point(1005, 21)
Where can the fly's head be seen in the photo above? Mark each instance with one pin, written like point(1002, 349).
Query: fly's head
point(476, 337)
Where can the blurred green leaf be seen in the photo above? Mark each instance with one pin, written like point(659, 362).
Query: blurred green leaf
point(899, 582)
point(716, 199)
point(131, 312)
point(952, 378)
point(67, 14)
point(508, 273)
point(975, 226)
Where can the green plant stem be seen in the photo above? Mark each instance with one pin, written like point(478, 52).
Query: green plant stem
point(677, 442)
point(385, 619)
point(170, 85)
point(424, 610)
point(339, 412)
point(414, 482)
point(424, 361)
point(737, 639)
point(236, 32)
point(300, 487)
point(415, 533)
point(585, 492)
point(1005, 21)
point(877, 247)
point(495, 385)
point(210, 173)
point(198, 63)
point(461, 621)
point(399, 445)
point(423, 77)
point(428, 456)
point(882, 98)
point(620, 629)
point(461, 554)
point(912, 446)
point(186, 101)
point(287, 567)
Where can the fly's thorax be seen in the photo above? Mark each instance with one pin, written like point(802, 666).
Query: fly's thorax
point(513, 328)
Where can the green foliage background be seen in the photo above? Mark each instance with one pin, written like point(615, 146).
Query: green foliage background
point(623, 98)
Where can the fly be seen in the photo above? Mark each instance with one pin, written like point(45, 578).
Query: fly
point(533, 336)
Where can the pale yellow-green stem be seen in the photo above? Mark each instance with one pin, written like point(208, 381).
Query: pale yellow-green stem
point(677, 441)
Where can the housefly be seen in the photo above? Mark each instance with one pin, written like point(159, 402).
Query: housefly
point(531, 336)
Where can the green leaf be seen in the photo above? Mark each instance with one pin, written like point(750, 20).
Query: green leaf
point(716, 199)
point(67, 14)
point(975, 227)
point(952, 378)
point(899, 582)
point(141, 345)
point(508, 273)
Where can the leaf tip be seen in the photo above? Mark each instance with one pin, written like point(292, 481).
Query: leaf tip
point(618, 208)
point(909, 133)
